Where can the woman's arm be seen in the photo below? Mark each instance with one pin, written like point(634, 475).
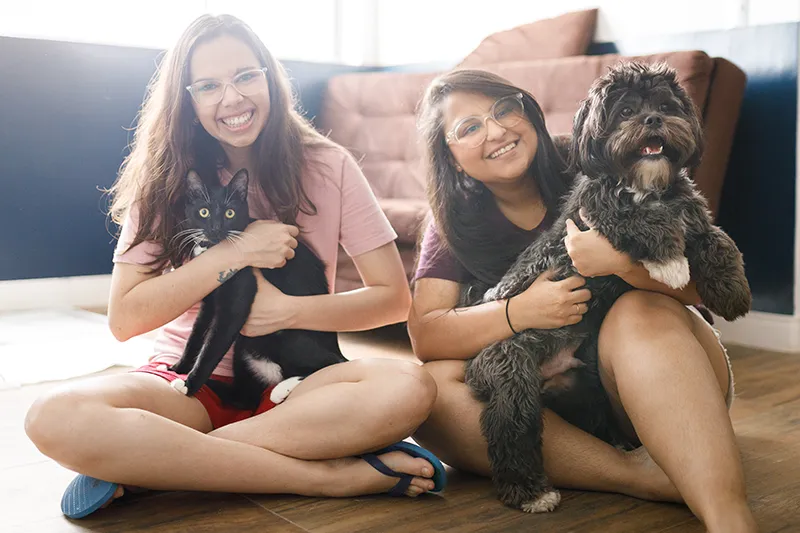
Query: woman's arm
point(638, 276)
point(384, 299)
point(593, 255)
point(141, 300)
point(438, 331)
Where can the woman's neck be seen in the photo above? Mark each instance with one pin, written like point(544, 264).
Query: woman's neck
point(517, 195)
point(521, 202)
point(239, 158)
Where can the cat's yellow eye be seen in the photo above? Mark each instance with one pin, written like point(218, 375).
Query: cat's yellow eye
point(230, 213)
point(204, 212)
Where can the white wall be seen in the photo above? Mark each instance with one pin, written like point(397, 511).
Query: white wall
point(296, 29)
point(415, 31)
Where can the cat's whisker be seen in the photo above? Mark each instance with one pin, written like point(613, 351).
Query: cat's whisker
point(183, 233)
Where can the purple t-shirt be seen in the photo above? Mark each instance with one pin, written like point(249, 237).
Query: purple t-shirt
point(436, 260)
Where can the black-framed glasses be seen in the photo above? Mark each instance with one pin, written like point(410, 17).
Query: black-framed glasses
point(247, 83)
point(472, 131)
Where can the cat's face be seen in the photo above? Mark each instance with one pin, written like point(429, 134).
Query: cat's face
point(214, 213)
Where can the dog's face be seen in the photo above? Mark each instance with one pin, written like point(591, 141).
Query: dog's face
point(639, 125)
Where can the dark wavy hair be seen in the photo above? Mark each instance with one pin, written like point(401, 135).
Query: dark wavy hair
point(166, 144)
point(459, 203)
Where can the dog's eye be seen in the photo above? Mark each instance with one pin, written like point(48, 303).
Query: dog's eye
point(626, 112)
point(663, 108)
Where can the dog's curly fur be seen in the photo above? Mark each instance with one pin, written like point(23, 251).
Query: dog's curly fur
point(634, 140)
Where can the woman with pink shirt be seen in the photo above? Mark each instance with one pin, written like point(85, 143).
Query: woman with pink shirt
point(220, 96)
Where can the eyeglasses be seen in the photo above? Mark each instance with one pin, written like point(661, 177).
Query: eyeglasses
point(472, 131)
point(211, 92)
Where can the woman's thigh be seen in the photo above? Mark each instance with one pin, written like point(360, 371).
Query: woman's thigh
point(405, 377)
point(76, 401)
point(638, 316)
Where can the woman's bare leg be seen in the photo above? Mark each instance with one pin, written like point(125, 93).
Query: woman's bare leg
point(134, 429)
point(667, 375)
point(572, 458)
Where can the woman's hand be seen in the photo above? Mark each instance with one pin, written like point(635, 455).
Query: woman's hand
point(592, 254)
point(266, 244)
point(548, 304)
point(271, 311)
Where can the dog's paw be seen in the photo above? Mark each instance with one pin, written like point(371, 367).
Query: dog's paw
point(544, 502)
point(179, 385)
point(674, 273)
point(282, 389)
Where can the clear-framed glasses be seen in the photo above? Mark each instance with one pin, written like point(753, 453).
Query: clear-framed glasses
point(247, 83)
point(472, 131)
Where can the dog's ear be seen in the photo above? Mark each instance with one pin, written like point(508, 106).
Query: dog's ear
point(692, 116)
point(577, 151)
point(587, 128)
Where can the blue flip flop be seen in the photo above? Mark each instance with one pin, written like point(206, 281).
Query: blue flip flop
point(439, 474)
point(85, 495)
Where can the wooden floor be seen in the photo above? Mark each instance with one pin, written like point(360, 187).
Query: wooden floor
point(767, 421)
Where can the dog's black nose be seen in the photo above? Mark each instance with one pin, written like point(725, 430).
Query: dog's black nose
point(654, 121)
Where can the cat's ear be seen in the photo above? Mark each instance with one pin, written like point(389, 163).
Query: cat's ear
point(238, 184)
point(194, 185)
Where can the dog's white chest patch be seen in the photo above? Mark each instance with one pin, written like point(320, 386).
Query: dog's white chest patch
point(674, 273)
point(268, 371)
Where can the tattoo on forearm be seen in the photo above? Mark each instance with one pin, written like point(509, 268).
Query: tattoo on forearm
point(225, 276)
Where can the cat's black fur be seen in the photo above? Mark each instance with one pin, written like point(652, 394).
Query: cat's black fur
point(224, 311)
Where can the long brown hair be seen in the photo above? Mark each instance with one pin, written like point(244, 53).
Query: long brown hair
point(167, 144)
point(458, 202)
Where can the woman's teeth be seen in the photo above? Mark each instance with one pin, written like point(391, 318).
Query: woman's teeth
point(504, 149)
point(235, 122)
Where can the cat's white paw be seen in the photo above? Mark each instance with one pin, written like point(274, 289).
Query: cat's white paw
point(674, 273)
point(282, 389)
point(179, 385)
point(162, 368)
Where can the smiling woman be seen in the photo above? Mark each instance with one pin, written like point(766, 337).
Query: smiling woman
point(219, 105)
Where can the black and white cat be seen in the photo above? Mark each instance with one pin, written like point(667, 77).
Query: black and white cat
point(214, 213)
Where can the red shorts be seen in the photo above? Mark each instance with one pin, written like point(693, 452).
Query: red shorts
point(220, 415)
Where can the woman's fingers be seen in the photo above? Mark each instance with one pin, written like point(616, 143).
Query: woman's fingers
point(580, 296)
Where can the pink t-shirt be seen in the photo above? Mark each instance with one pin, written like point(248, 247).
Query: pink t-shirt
point(347, 214)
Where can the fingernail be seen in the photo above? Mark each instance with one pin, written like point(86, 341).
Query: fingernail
point(426, 471)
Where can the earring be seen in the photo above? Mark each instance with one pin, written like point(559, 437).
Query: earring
point(459, 169)
point(196, 121)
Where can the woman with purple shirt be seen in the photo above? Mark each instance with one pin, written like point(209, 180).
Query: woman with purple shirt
point(495, 181)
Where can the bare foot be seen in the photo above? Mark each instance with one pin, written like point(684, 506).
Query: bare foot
point(650, 482)
point(121, 492)
point(355, 477)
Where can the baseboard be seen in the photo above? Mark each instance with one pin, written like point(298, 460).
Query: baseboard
point(767, 331)
point(48, 293)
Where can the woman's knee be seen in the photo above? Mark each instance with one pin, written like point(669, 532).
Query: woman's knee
point(640, 313)
point(407, 380)
point(55, 420)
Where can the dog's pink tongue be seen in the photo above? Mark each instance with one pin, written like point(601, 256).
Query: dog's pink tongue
point(653, 147)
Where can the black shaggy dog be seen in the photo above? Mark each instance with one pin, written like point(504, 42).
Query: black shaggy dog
point(634, 139)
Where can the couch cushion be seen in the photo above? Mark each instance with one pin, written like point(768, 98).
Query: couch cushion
point(373, 116)
point(567, 35)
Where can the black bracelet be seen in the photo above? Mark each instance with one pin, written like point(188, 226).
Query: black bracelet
point(508, 319)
